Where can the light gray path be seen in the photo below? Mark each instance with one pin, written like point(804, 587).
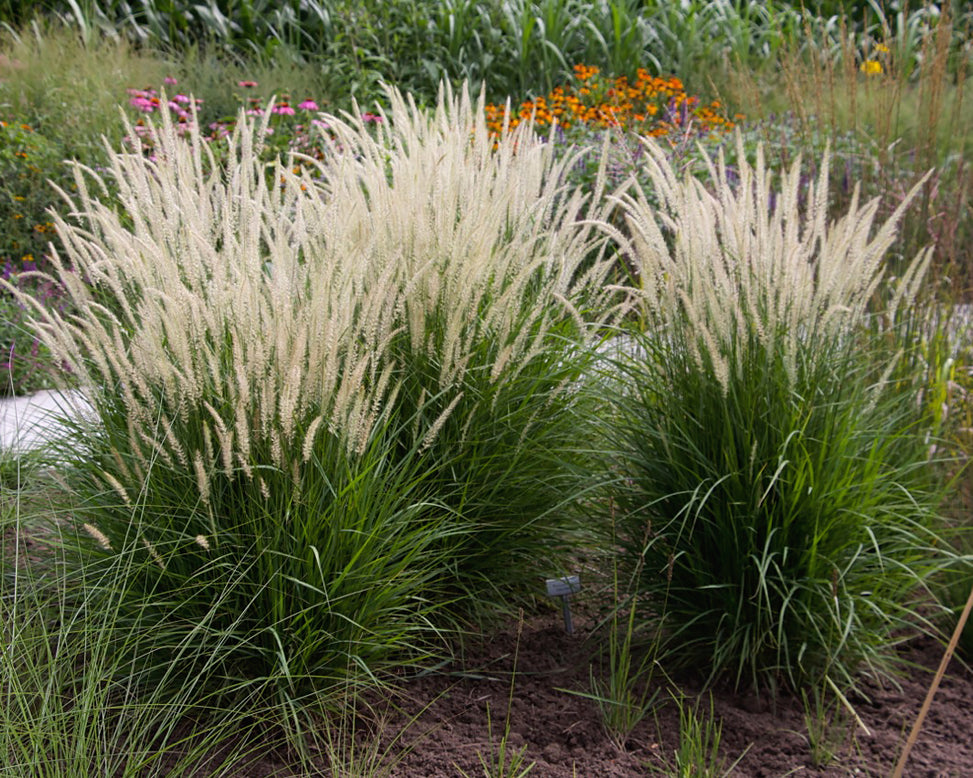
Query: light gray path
point(26, 422)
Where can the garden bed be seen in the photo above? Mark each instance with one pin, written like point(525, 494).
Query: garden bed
point(441, 726)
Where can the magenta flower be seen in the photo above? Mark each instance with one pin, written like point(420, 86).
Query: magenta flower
point(169, 80)
point(308, 105)
point(371, 117)
point(143, 104)
point(284, 110)
point(181, 99)
point(247, 84)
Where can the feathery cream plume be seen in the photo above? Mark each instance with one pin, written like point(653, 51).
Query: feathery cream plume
point(100, 537)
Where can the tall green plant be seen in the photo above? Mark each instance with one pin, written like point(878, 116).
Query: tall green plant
point(898, 89)
point(498, 276)
point(73, 701)
point(780, 497)
point(329, 399)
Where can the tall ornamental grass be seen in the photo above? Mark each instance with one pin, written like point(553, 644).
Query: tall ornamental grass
point(498, 277)
point(780, 512)
point(74, 701)
point(332, 400)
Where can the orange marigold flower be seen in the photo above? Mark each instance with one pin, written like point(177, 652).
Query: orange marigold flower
point(613, 103)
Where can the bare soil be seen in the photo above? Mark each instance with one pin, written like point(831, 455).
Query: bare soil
point(447, 722)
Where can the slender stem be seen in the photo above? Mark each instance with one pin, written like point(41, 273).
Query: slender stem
point(914, 735)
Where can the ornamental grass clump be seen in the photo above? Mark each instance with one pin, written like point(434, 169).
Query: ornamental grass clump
point(780, 507)
point(332, 399)
point(498, 272)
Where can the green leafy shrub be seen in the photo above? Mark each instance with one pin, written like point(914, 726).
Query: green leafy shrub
point(25, 362)
point(508, 46)
point(27, 161)
point(780, 501)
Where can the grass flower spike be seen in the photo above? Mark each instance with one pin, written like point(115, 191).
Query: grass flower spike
point(740, 258)
point(358, 378)
point(779, 510)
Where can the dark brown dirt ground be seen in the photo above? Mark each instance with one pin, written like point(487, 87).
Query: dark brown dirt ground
point(441, 726)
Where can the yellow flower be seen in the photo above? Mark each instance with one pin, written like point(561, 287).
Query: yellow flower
point(871, 67)
point(881, 48)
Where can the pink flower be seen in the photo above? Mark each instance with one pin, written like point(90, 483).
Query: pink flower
point(371, 117)
point(308, 105)
point(181, 99)
point(319, 123)
point(143, 104)
point(247, 84)
point(284, 109)
point(169, 80)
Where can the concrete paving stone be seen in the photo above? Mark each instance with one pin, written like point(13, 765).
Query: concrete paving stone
point(29, 421)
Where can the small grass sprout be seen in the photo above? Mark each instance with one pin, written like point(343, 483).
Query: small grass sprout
point(624, 694)
point(504, 759)
point(828, 727)
point(698, 753)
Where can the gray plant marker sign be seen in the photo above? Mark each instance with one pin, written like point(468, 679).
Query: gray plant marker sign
point(564, 587)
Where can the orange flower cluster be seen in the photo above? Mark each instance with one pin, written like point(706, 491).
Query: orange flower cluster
point(649, 105)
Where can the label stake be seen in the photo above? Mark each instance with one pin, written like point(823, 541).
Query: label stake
point(564, 587)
